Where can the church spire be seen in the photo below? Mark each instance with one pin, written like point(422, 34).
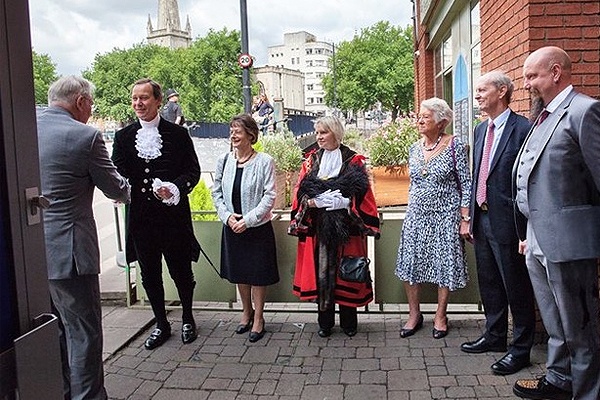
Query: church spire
point(168, 32)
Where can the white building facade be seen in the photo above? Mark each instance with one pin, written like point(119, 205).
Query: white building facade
point(303, 52)
point(282, 83)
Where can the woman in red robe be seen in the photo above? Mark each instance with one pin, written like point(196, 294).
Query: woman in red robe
point(333, 210)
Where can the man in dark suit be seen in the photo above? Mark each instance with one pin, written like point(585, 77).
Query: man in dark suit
point(503, 279)
point(73, 162)
point(159, 159)
point(557, 177)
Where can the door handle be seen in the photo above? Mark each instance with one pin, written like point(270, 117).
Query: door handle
point(35, 202)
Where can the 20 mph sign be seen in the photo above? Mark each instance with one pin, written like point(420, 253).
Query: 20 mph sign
point(245, 60)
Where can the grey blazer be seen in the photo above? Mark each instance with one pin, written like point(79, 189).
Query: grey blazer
point(563, 188)
point(257, 189)
point(73, 160)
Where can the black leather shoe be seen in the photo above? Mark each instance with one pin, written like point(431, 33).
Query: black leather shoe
point(406, 332)
point(510, 364)
point(482, 345)
point(350, 331)
point(188, 333)
point(256, 336)
point(241, 328)
point(440, 333)
point(157, 338)
point(324, 332)
point(540, 389)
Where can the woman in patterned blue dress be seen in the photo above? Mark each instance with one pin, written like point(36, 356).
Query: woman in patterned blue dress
point(436, 224)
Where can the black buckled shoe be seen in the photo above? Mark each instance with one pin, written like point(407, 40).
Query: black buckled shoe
point(540, 389)
point(188, 333)
point(350, 331)
point(482, 345)
point(324, 332)
point(510, 364)
point(157, 338)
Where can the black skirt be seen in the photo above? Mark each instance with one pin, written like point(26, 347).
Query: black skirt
point(249, 257)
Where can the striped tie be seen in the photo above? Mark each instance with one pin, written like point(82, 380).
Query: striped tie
point(484, 168)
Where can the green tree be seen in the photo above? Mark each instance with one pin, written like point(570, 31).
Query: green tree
point(375, 66)
point(206, 74)
point(113, 74)
point(44, 73)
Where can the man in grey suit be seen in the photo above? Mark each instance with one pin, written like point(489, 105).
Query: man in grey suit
point(73, 161)
point(503, 279)
point(558, 176)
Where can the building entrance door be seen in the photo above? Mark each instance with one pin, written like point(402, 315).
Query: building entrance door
point(30, 366)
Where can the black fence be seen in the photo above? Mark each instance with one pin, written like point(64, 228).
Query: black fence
point(213, 130)
point(299, 124)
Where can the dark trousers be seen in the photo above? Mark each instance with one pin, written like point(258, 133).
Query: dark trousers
point(76, 302)
point(504, 284)
point(348, 318)
point(150, 249)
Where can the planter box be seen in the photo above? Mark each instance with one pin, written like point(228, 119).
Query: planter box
point(284, 183)
point(390, 187)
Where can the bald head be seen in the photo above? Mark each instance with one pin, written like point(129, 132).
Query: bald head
point(547, 72)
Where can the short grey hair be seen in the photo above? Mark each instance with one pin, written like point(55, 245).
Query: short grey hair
point(332, 124)
point(440, 109)
point(67, 88)
point(499, 79)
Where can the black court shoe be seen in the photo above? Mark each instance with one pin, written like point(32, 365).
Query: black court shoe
point(406, 332)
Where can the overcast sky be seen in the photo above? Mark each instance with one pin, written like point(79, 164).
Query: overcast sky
point(72, 32)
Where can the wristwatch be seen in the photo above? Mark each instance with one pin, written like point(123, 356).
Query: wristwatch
point(465, 218)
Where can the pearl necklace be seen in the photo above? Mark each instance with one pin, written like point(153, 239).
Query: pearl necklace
point(431, 148)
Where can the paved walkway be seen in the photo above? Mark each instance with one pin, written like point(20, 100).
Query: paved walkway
point(293, 362)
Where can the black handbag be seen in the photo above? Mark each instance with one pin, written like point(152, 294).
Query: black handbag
point(355, 269)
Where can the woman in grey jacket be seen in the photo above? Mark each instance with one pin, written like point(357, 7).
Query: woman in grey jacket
point(244, 195)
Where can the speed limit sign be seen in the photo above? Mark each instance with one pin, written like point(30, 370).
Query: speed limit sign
point(245, 60)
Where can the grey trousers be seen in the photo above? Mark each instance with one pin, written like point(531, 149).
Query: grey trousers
point(76, 302)
point(567, 296)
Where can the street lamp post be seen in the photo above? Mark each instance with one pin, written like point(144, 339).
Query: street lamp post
point(245, 71)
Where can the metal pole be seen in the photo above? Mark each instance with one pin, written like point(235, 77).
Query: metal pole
point(335, 111)
point(245, 71)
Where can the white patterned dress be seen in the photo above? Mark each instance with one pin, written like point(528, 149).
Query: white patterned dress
point(431, 249)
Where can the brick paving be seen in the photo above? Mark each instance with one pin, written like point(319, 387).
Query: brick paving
point(293, 363)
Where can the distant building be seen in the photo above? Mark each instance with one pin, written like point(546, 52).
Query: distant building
point(168, 32)
point(301, 51)
point(456, 42)
point(282, 83)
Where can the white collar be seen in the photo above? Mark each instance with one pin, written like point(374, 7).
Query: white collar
point(148, 141)
point(331, 163)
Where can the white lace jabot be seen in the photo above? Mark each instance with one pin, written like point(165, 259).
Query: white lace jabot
point(331, 163)
point(148, 141)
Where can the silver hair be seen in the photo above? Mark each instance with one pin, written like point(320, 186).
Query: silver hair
point(499, 79)
point(332, 124)
point(67, 88)
point(440, 109)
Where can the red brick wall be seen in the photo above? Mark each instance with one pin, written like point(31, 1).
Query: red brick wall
point(512, 29)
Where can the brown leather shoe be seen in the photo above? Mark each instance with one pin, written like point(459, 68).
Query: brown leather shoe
point(540, 389)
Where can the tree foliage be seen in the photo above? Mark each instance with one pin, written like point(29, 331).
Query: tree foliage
point(206, 75)
point(44, 73)
point(375, 66)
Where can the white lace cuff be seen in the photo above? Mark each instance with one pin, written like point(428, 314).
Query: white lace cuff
point(174, 199)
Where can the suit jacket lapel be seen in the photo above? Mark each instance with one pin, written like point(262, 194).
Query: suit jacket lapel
point(480, 132)
point(552, 122)
point(509, 129)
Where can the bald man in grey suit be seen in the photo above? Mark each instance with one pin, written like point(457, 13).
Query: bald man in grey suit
point(558, 178)
point(73, 161)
